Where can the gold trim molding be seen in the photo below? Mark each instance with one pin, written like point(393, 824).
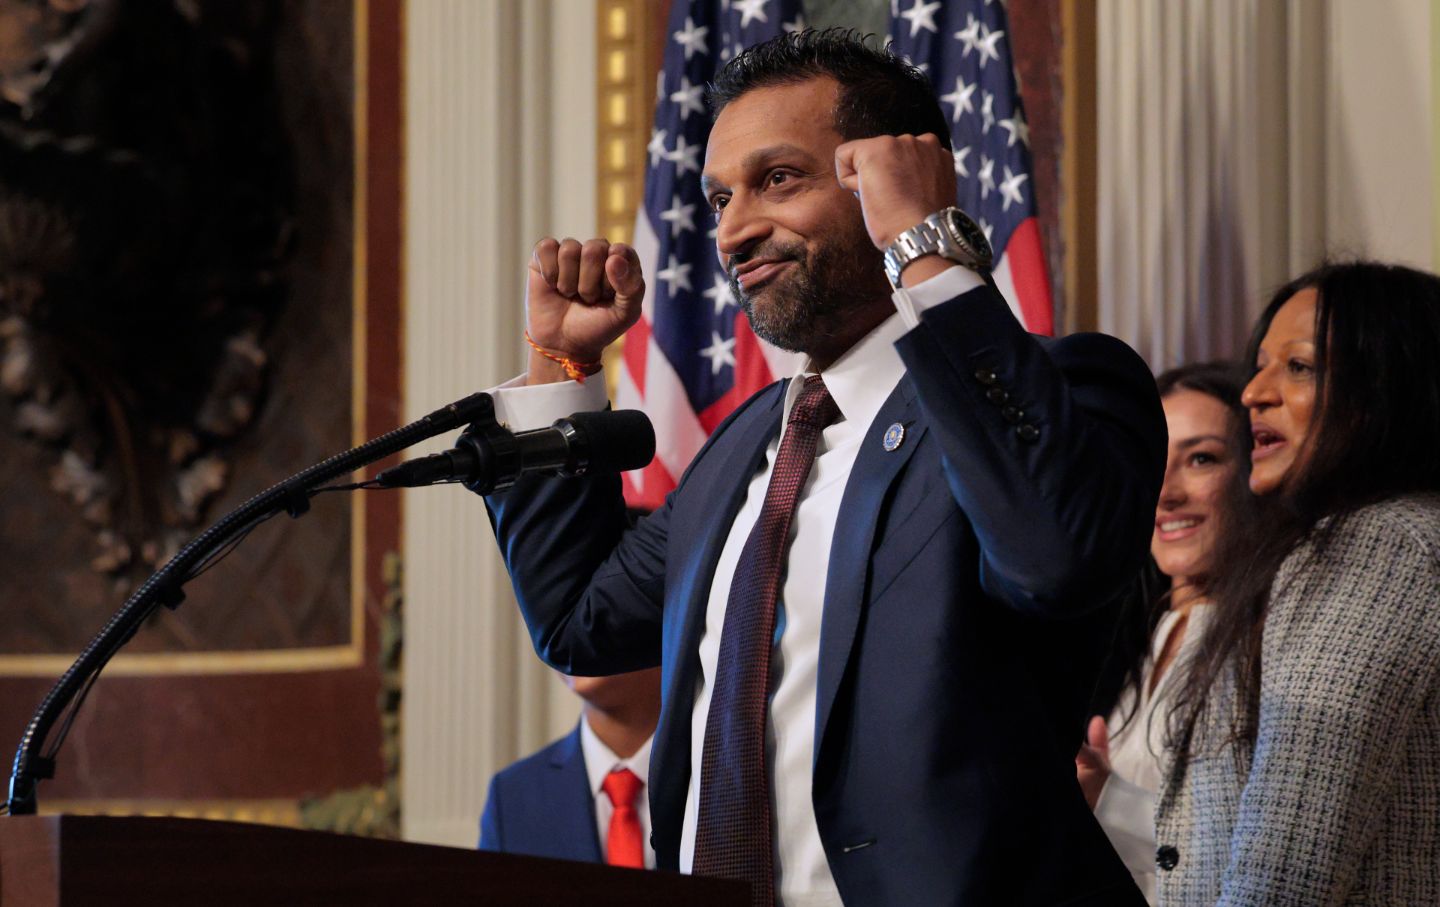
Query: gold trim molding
point(281, 812)
point(626, 61)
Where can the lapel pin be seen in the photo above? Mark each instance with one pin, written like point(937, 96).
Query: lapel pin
point(894, 437)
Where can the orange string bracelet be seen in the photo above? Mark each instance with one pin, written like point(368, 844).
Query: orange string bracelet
point(575, 370)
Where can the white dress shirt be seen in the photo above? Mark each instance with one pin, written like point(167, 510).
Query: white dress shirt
point(860, 381)
point(600, 761)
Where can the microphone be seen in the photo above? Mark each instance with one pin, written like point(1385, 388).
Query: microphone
point(488, 458)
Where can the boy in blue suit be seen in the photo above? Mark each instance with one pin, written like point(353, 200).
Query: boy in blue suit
point(555, 803)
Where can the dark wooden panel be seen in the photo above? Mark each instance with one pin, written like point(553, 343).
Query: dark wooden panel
point(177, 861)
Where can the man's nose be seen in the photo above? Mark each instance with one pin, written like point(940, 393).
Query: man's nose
point(741, 226)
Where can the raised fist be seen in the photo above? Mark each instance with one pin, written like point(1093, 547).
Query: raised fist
point(579, 299)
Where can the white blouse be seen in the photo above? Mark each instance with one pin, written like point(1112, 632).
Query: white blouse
point(1126, 807)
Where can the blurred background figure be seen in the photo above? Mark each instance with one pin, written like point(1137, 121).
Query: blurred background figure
point(584, 797)
point(1119, 767)
point(1308, 722)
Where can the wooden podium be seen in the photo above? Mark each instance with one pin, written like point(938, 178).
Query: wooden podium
point(55, 861)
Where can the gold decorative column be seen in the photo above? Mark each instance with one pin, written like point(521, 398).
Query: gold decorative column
point(628, 57)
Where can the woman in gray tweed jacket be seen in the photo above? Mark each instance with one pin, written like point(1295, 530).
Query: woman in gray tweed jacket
point(1306, 768)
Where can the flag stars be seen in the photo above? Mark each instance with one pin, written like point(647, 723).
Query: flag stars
point(1010, 188)
point(986, 176)
point(720, 352)
point(921, 15)
point(692, 38)
point(680, 217)
point(657, 149)
point(689, 98)
point(1018, 129)
point(720, 294)
point(960, 169)
point(969, 36)
point(988, 47)
point(750, 9)
point(684, 157)
point(676, 275)
point(987, 112)
point(960, 99)
point(797, 25)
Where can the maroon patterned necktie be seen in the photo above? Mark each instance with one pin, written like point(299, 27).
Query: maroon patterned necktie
point(733, 838)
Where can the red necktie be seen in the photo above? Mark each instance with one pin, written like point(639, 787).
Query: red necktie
point(625, 844)
point(733, 837)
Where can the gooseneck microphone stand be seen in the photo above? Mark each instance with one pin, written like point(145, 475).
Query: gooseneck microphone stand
point(165, 587)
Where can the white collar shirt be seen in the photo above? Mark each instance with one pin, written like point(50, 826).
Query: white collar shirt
point(600, 761)
point(860, 382)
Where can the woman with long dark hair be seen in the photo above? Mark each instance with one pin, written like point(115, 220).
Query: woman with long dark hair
point(1306, 731)
point(1204, 491)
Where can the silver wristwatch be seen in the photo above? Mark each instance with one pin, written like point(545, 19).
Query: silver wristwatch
point(949, 233)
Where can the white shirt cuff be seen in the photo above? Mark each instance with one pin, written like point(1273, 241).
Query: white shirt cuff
point(522, 407)
point(952, 282)
point(1127, 813)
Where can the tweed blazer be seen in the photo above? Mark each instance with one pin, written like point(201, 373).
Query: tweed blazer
point(1339, 803)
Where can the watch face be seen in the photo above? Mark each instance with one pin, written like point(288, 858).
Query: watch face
point(971, 235)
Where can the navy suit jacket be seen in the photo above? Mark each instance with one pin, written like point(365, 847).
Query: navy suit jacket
point(965, 611)
point(542, 805)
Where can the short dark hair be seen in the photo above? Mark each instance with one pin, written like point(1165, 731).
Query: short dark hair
point(880, 93)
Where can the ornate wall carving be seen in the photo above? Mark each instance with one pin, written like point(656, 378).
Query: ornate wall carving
point(241, 162)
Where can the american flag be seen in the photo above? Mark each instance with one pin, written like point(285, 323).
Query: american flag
point(692, 357)
point(965, 50)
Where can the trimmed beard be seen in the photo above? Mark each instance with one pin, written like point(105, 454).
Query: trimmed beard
point(841, 277)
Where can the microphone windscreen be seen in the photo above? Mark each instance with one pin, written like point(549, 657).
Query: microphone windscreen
point(616, 441)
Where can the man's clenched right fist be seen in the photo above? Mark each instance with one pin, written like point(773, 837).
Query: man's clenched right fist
point(579, 299)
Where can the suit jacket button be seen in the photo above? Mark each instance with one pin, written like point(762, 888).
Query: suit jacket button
point(1167, 858)
point(1012, 414)
point(1028, 433)
point(997, 395)
point(985, 376)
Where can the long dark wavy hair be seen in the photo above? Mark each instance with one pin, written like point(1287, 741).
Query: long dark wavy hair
point(1374, 434)
point(1148, 598)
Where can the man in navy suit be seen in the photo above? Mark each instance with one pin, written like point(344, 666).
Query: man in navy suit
point(957, 500)
point(560, 802)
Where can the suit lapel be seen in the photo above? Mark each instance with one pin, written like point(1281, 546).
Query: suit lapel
point(738, 454)
point(874, 472)
point(575, 801)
